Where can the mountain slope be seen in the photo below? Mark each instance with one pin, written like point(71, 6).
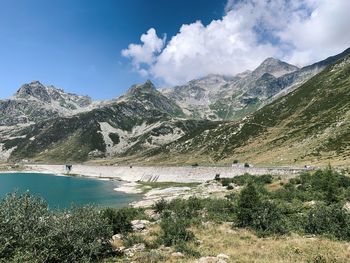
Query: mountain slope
point(142, 119)
point(311, 124)
point(217, 97)
point(34, 102)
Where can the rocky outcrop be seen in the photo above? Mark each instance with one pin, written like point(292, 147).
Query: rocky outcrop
point(35, 102)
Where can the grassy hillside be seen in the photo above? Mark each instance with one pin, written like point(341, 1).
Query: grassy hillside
point(309, 125)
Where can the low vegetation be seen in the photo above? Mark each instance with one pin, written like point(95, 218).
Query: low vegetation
point(253, 215)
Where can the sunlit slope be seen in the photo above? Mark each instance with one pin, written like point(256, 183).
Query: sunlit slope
point(309, 125)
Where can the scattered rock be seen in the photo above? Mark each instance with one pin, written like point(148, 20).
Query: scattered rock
point(210, 260)
point(152, 214)
point(117, 237)
point(347, 207)
point(177, 254)
point(130, 252)
point(139, 225)
point(223, 256)
point(165, 249)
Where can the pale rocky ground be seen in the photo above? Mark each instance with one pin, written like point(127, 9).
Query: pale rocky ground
point(132, 176)
point(183, 174)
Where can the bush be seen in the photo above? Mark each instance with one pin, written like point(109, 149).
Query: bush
point(186, 209)
point(261, 215)
point(160, 206)
point(246, 178)
point(119, 219)
point(29, 232)
point(249, 200)
point(269, 219)
point(324, 185)
point(330, 220)
point(174, 231)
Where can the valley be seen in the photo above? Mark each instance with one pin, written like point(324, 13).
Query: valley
point(277, 114)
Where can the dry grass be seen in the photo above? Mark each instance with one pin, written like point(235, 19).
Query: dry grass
point(276, 185)
point(242, 245)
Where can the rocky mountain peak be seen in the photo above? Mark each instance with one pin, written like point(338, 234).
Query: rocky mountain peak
point(147, 87)
point(34, 89)
point(211, 79)
point(274, 67)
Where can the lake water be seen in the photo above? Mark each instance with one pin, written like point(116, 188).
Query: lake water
point(63, 191)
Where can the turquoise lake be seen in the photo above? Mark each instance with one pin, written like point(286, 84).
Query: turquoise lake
point(63, 191)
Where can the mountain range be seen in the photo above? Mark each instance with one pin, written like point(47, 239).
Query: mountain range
point(277, 113)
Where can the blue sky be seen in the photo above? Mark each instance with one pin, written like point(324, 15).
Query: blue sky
point(100, 48)
point(76, 44)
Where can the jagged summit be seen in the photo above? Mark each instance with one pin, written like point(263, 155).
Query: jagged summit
point(151, 123)
point(274, 67)
point(146, 87)
point(34, 102)
point(34, 89)
point(50, 94)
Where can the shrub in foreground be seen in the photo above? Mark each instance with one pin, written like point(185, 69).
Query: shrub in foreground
point(30, 232)
point(331, 220)
point(120, 220)
point(256, 212)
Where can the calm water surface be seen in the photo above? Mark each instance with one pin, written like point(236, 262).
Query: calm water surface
point(64, 191)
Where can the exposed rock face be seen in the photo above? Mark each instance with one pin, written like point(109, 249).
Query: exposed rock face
point(274, 67)
point(151, 99)
point(141, 120)
point(309, 124)
point(147, 123)
point(218, 97)
point(35, 102)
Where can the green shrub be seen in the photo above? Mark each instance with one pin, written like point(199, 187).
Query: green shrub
point(324, 185)
point(255, 212)
point(29, 232)
point(160, 206)
point(174, 231)
point(119, 219)
point(249, 201)
point(330, 220)
point(269, 219)
point(187, 209)
point(218, 210)
point(80, 234)
point(246, 178)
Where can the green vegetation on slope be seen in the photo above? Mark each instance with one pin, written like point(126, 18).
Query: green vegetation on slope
point(312, 124)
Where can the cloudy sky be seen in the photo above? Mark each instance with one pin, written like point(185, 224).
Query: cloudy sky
point(100, 48)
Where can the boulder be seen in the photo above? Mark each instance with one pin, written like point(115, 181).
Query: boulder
point(139, 225)
point(117, 237)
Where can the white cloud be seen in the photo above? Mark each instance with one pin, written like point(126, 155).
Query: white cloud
point(300, 32)
point(144, 54)
point(326, 31)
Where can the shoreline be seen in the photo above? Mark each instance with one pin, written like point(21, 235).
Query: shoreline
point(130, 176)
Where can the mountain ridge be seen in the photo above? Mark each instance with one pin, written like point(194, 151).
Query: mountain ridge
point(145, 124)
